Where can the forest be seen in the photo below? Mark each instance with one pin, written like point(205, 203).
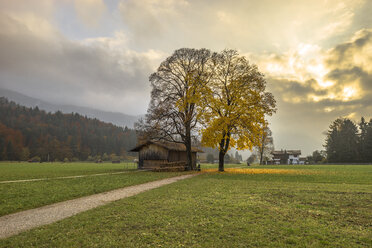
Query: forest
point(31, 133)
point(348, 142)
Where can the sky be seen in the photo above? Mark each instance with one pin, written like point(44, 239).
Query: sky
point(316, 54)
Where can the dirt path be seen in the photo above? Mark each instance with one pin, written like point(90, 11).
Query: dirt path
point(13, 224)
point(66, 177)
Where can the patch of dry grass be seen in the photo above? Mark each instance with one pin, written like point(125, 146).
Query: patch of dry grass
point(263, 171)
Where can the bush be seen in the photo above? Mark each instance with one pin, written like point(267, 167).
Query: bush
point(114, 157)
point(90, 158)
point(105, 157)
point(66, 160)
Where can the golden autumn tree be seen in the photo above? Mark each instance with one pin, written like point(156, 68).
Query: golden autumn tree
point(235, 104)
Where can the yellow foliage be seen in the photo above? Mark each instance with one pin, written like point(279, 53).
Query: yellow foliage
point(262, 171)
point(235, 104)
point(192, 93)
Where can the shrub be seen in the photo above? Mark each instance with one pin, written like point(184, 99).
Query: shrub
point(105, 157)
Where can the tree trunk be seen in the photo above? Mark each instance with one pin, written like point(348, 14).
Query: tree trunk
point(262, 147)
point(221, 161)
point(188, 149)
point(261, 155)
point(189, 156)
point(224, 147)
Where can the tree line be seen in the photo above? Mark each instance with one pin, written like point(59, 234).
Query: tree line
point(219, 96)
point(229, 158)
point(348, 142)
point(27, 133)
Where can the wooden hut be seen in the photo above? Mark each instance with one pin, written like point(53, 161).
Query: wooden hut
point(161, 155)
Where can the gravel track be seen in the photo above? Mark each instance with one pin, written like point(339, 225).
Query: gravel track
point(13, 224)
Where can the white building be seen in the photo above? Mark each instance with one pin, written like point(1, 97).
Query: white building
point(286, 157)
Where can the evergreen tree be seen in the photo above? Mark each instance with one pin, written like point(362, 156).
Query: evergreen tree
point(367, 152)
point(342, 141)
point(365, 145)
point(317, 157)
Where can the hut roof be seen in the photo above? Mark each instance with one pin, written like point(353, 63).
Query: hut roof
point(289, 152)
point(171, 146)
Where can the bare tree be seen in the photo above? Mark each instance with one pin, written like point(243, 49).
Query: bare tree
point(266, 145)
point(176, 91)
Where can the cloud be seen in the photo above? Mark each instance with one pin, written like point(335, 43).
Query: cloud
point(311, 74)
point(342, 14)
point(314, 86)
point(253, 26)
point(90, 11)
point(350, 65)
point(356, 52)
point(151, 17)
point(47, 65)
point(43, 8)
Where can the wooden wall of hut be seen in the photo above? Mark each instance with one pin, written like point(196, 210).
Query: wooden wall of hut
point(151, 152)
point(175, 156)
point(150, 164)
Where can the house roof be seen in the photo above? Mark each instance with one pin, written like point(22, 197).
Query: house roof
point(290, 152)
point(171, 146)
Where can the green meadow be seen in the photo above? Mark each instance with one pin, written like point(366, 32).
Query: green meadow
point(323, 206)
point(24, 170)
point(18, 196)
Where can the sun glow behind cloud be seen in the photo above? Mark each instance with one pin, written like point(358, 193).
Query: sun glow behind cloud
point(348, 93)
point(317, 70)
point(302, 63)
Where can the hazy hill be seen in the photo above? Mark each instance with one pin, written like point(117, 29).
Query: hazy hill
point(28, 132)
point(116, 118)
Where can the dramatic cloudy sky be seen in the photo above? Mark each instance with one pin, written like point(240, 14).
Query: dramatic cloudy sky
point(316, 54)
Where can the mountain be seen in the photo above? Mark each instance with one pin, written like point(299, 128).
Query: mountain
point(29, 132)
point(116, 118)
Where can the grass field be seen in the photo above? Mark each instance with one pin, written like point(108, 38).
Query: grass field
point(323, 206)
point(23, 170)
point(20, 196)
